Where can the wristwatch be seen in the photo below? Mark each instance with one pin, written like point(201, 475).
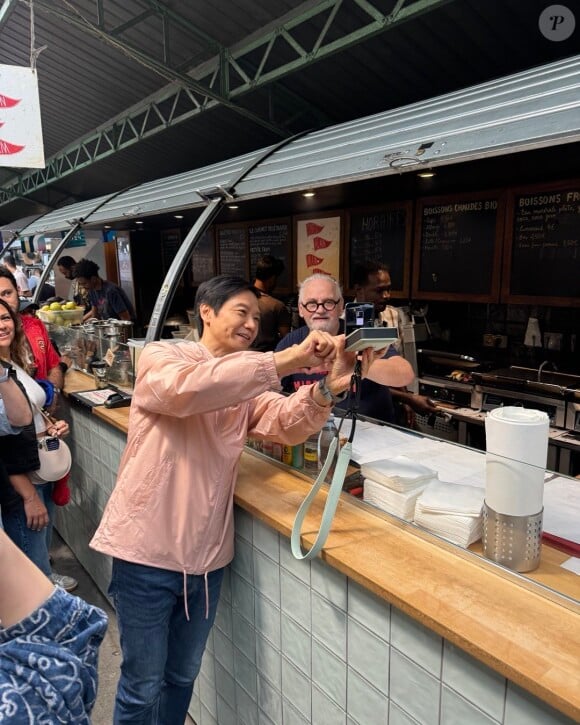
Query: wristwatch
point(6, 371)
point(330, 397)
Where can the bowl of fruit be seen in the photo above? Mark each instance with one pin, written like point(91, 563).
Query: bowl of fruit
point(64, 314)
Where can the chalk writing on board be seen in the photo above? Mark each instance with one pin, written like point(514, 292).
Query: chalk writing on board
point(272, 238)
point(380, 236)
point(232, 251)
point(203, 259)
point(457, 246)
point(546, 244)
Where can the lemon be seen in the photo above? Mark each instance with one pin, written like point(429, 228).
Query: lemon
point(69, 306)
point(56, 306)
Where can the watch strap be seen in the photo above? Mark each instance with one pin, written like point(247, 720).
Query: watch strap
point(326, 392)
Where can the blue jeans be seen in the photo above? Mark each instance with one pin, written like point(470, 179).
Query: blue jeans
point(162, 650)
point(33, 543)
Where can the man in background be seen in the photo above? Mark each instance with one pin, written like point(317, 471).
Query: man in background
point(80, 295)
point(274, 316)
point(21, 280)
point(372, 284)
point(321, 305)
point(107, 300)
point(47, 290)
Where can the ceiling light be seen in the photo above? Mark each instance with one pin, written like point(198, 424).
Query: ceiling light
point(308, 194)
point(138, 222)
point(233, 206)
point(179, 216)
point(107, 226)
point(427, 174)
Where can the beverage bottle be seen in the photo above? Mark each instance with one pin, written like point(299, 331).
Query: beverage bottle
point(328, 432)
point(298, 456)
point(287, 455)
point(311, 454)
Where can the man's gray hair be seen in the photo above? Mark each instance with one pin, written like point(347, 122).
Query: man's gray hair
point(316, 277)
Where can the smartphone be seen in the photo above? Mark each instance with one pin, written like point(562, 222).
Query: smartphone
point(360, 330)
point(357, 315)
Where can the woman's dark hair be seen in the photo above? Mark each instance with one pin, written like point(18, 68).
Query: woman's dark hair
point(86, 268)
point(218, 290)
point(20, 351)
point(7, 274)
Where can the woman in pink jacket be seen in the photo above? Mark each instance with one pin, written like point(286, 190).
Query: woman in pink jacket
point(169, 522)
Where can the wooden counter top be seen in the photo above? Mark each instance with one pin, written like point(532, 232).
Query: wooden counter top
point(77, 381)
point(528, 634)
point(499, 618)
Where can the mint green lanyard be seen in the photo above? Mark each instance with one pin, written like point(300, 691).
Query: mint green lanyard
point(331, 500)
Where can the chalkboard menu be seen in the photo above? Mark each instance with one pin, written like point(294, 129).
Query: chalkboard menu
point(170, 243)
point(383, 234)
point(457, 248)
point(203, 259)
point(543, 251)
point(232, 248)
point(271, 237)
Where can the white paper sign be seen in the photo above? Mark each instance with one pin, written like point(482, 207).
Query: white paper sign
point(20, 126)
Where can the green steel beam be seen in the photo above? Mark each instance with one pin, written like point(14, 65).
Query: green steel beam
point(231, 73)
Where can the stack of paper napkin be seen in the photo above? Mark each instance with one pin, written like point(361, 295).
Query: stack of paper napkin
point(393, 484)
point(452, 511)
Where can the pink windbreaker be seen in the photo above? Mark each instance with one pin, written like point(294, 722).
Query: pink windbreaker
point(172, 506)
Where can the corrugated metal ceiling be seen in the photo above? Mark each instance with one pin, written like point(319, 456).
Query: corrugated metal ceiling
point(527, 110)
point(84, 81)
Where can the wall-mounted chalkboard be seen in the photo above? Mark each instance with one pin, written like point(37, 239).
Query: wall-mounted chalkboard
point(170, 243)
point(458, 247)
point(272, 237)
point(382, 234)
point(203, 259)
point(232, 250)
point(543, 246)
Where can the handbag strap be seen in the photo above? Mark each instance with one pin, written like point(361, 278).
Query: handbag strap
point(331, 501)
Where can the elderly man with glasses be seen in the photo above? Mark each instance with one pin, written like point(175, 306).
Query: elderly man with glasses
point(321, 305)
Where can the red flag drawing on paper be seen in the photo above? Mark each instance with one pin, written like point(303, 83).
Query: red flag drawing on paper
point(312, 228)
point(321, 243)
point(21, 143)
point(312, 260)
point(9, 148)
point(7, 102)
point(321, 271)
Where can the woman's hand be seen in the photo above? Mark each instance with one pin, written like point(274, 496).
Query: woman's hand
point(36, 513)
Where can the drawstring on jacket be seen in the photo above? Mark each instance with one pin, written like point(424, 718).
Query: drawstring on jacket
point(185, 595)
point(206, 596)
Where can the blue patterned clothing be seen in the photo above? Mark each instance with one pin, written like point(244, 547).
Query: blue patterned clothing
point(48, 663)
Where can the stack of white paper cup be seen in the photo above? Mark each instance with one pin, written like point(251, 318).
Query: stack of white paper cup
point(517, 450)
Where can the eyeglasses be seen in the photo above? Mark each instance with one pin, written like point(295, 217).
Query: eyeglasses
point(313, 305)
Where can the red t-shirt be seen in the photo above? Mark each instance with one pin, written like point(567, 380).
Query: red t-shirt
point(45, 356)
